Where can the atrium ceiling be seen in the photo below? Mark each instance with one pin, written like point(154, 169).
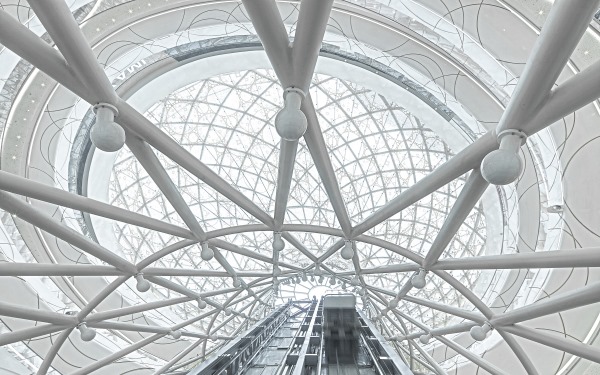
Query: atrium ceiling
point(173, 170)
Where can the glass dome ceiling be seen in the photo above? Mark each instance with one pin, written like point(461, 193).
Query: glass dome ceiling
point(378, 149)
point(406, 97)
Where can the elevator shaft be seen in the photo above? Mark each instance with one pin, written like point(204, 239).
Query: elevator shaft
point(311, 337)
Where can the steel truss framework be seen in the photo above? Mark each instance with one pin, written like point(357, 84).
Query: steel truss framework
point(535, 105)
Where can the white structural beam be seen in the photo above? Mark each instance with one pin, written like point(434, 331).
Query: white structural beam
point(588, 257)
point(461, 313)
point(464, 161)
point(298, 245)
point(49, 269)
point(568, 97)
point(392, 268)
point(466, 200)
point(566, 23)
point(178, 357)
point(270, 28)
point(23, 186)
point(117, 355)
point(519, 352)
point(224, 263)
point(449, 330)
point(43, 221)
point(149, 161)
point(554, 341)
point(332, 250)
point(250, 254)
point(584, 296)
point(58, 21)
point(51, 354)
point(456, 311)
point(120, 326)
point(164, 252)
point(479, 361)
point(285, 171)
point(135, 309)
point(27, 313)
point(310, 30)
point(29, 333)
point(320, 155)
point(27, 45)
point(436, 367)
point(140, 125)
point(30, 47)
point(157, 271)
point(100, 297)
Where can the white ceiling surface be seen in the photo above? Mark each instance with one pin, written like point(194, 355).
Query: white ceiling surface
point(471, 67)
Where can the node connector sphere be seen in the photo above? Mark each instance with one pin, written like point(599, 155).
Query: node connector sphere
point(291, 122)
point(479, 333)
point(504, 166)
point(347, 251)
point(501, 167)
point(106, 134)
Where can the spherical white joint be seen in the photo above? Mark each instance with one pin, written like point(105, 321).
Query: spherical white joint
point(228, 311)
point(504, 166)
point(291, 122)
point(202, 303)
point(348, 250)
point(276, 271)
point(304, 277)
point(278, 243)
point(142, 285)
point(418, 280)
point(321, 278)
point(355, 281)
point(207, 253)
point(87, 334)
point(175, 334)
point(318, 271)
point(424, 339)
point(106, 134)
point(393, 303)
point(237, 282)
point(479, 333)
point(332, 280)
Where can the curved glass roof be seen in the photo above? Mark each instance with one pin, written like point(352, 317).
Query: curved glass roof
point(378, 149)
point(406, 97)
